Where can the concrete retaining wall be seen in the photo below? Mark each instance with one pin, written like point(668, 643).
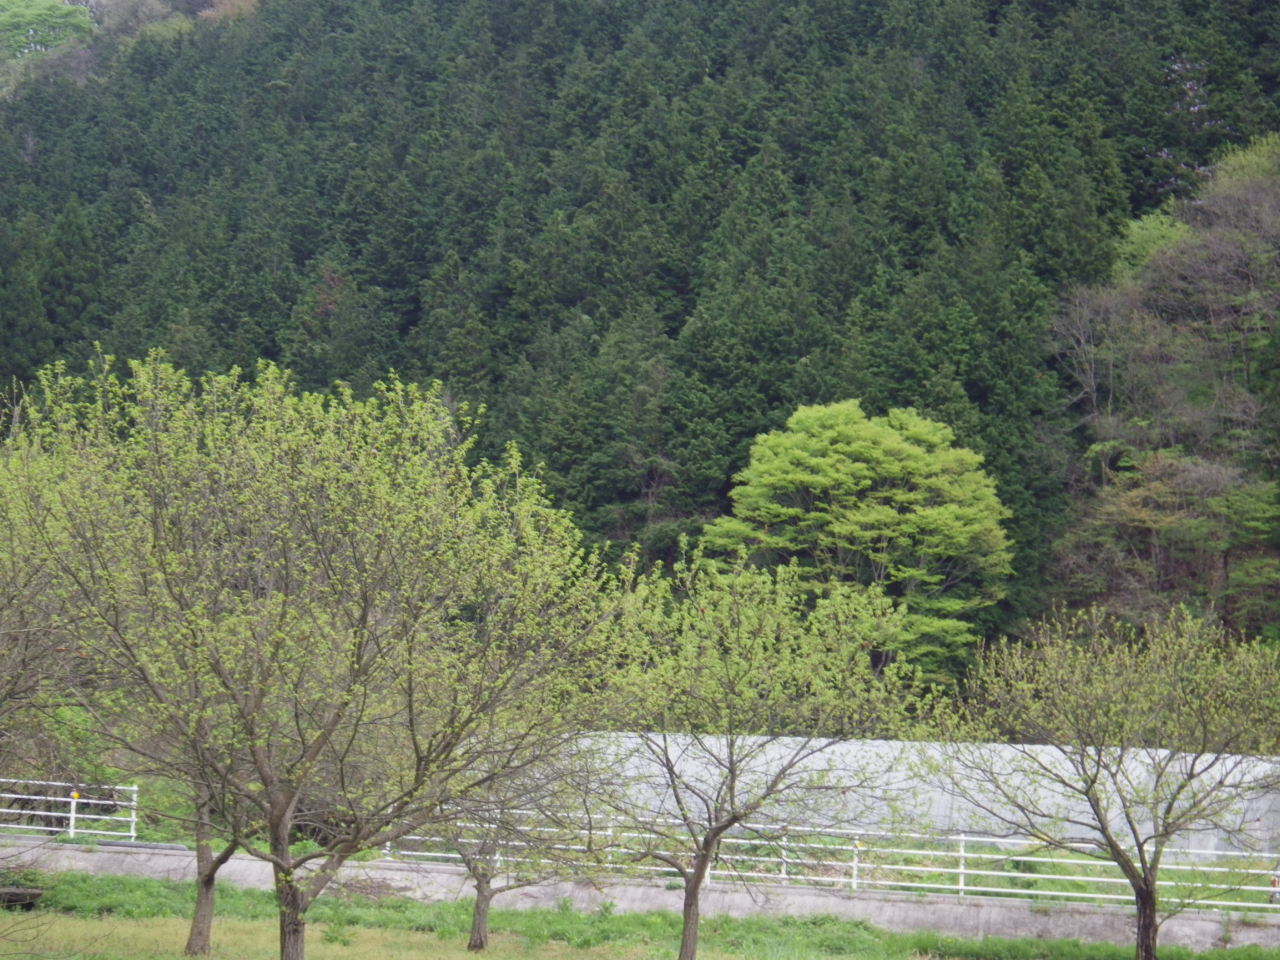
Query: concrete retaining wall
point(972, 917)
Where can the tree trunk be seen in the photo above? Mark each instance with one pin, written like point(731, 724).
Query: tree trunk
point(692, 896)
point(292, 903)
point(199, 938)
point(1148, 930)
point(480, 915)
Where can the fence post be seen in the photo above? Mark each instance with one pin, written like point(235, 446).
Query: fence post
point(856, 847)
point(71, 825)
point(783, 848)
point(960, 875)
point(133, 816)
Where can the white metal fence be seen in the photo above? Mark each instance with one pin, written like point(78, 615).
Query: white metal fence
point(71, 809)
point(963, 864)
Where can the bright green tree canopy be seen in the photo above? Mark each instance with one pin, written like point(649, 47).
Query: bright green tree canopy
point(33, 26)
point(877, 500)
point(309, 607)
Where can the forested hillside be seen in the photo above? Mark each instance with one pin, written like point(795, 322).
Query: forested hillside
point(643, 233)
point(1174, 378)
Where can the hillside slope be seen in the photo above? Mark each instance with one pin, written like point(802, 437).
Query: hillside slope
point(640, 232)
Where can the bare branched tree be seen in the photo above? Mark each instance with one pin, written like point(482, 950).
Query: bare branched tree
point(544, 823)
point(741, 694)
point(1126, 743)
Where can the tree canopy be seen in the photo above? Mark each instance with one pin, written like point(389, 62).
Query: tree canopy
point(887, 501)
point(1125, 742)
point(34, 26)
point(740, 690)
point(308, 608)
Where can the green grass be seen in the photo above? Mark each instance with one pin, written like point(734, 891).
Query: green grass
point(136, 916)
point(998, 948)
point(87, 896)
point(61, 937)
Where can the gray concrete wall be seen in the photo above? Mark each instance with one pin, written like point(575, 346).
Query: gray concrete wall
point(972, 917)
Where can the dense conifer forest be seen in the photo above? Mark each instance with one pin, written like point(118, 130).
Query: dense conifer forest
point(641, 234)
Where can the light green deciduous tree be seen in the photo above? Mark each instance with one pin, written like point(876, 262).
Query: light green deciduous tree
point(888, 501)
point(741, 691)
point(1125, 743)
point(33, 26)
point(309, 608)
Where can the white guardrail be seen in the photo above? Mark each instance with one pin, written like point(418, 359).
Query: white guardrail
point(71, 809)
point(964, 864)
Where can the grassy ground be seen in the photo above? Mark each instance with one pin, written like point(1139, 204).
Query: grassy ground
point(82, 916)
point(77, 938)
point(85, 917)
point(545, 938)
